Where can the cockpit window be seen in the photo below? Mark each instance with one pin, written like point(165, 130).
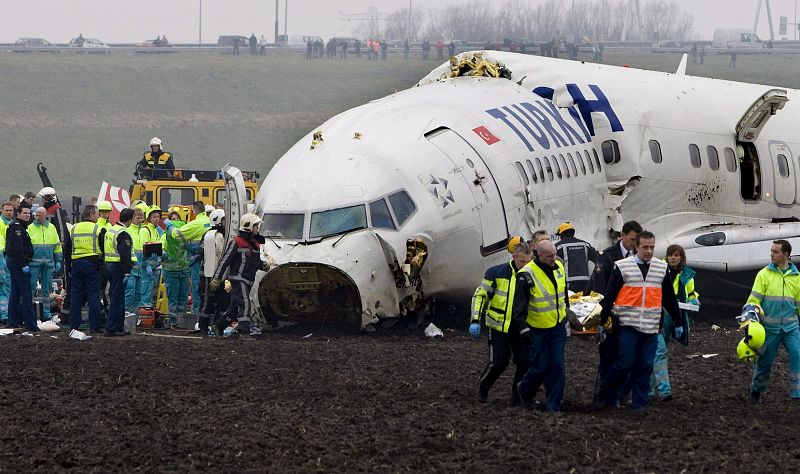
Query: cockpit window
point(402, 205)
point(282, 226)
point(379, 215)
point(337, 221)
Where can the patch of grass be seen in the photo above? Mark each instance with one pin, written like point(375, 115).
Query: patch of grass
point(89, 118)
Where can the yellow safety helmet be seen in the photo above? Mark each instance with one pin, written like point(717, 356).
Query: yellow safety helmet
point(142, 207)
point(513, 242)
point(103, 206)
point(753, 339)
point(564, 227)
point(153, 209)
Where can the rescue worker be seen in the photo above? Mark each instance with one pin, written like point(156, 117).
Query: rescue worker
point(104, 212)
point(119, 259)
point(193, 232)
point(682, 278)
point(149, 233)
point(157, 160)
point(85, 262)
point(540, 312)
point(175, 265)
point(495, 298)
point(214, 302)
point(49, 200)
point(133, 296)
point(6, 217)
point(47, 257)
point(777, 290)
point(241, 260)
point(604, 266)
point(538, 236)
point(18, 254)
point(576, 255)
point(638, 289)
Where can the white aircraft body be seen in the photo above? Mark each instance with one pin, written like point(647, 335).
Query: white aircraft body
point(413, 196)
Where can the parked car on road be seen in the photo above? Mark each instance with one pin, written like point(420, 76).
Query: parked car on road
point(32, 42)
point(87, 43)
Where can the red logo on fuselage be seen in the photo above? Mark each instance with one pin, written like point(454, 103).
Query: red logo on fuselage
point(486, 135)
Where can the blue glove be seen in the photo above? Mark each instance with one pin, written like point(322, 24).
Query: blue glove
point(678, 332)
point(475, 330)
point(58, 267)
point(26, 269)
point(694, 301)
point(149, 270)
point(167, 222)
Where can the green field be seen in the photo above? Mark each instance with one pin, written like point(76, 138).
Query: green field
point(89, 117)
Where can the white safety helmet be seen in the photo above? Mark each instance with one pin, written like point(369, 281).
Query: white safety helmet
point(47, 191)
point(209, 209)
point(216, 217)
point(155, 141)
point(248, 222)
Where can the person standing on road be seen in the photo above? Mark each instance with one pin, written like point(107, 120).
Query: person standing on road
point(406, 48)
point(6, 218)
point(85, 256)
point(18, 254)
point(241, 260)
point(732, 64)
point(637, 291)
point(777, 290)
point(576, 255)
point(236, 43)
point(253, 44)
point(309, 48)
point(682, 278)
point(47, 257)
point(495, 298)
point(451, 48)
point(214, 302)
point(262, 43)
point(119, 259)
point(540, 310)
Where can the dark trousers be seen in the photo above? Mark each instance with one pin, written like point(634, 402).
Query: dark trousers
point(20, 301)
point(85, 280)
point(214, 303)
point(546, 361)
point(609, 352)
point(502, 348)
point(239, 308)
point(116, 307)
point(637, 351)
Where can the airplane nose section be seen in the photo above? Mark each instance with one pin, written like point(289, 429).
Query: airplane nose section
point(310, 291)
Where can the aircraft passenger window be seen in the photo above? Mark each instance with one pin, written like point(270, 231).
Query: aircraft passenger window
point(730, 160)
point(549, 168)
point(337, 221)
point(694, 155)
point(282, 226)
point(571, 162)
point(403, 206)
point(588, 161)
point(580, 161)
point(522, 173)
point(564, 165)
point(541, 170)
point(380, 216)
point(597, 161)
point(655, 151)
point(533, 171)
point(713, 157)
point(556, 167)
point(783, 166)
point(610, 150)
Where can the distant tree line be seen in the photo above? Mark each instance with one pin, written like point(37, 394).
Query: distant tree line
point(485, 20)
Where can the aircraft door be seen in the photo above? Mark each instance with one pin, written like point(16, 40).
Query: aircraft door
point(488, 201)
point(784, 171)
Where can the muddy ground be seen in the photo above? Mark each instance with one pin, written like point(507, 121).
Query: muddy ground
point(389, 401)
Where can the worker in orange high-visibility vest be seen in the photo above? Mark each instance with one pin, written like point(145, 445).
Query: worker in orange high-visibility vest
point(636, 293)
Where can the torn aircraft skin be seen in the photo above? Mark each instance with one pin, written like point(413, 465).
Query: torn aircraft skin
point(411, 197)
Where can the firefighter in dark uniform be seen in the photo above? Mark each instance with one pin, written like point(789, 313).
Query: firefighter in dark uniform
point(18, 253)
point(576, 255)
point(242, 259)
point(495, 298)
point(156, 159)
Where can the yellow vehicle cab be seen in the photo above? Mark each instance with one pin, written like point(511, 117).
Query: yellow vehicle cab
point(182, 187)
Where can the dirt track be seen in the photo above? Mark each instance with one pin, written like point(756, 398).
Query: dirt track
point(391, 401)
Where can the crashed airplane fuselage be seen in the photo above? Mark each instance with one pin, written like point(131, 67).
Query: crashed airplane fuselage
point(413, 196)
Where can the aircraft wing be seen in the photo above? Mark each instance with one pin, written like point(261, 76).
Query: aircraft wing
point(735, 247)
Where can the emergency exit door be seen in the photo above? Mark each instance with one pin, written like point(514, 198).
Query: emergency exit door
point(784, 173)
point(489, 207)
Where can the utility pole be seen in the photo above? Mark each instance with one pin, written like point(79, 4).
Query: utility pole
point(276, 21)
point(408, 21)
point(285, 19)
point(200, 26)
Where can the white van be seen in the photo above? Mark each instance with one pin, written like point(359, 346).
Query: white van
point(739, 38)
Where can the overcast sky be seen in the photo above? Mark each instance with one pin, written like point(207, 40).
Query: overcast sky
point(136, 20)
